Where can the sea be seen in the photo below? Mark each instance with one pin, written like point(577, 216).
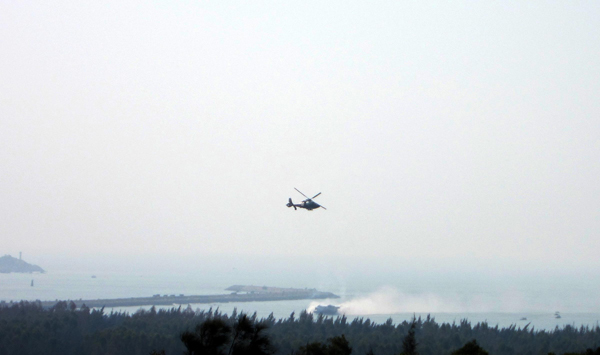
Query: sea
point(538, 300)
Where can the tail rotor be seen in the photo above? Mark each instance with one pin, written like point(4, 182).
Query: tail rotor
point(291, 204)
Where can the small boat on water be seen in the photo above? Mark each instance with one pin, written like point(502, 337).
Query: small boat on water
point(557, 315)
point(329, 310)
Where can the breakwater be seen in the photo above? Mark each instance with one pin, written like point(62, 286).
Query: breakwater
point(239, 293)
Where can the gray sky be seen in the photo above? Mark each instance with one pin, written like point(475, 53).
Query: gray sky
point(462, 132)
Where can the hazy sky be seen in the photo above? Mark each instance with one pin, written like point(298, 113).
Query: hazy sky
point(459, 132)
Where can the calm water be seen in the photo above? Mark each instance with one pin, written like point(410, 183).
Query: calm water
point(378, 295)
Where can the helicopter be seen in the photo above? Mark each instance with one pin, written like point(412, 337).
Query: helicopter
point(307, 204)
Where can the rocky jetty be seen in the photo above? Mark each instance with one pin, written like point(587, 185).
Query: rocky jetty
point(9, 264)
point(239, 294)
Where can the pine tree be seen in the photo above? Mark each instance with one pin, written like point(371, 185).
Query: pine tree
point(409, 344)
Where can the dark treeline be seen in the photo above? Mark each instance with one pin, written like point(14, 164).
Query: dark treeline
point(27, 328)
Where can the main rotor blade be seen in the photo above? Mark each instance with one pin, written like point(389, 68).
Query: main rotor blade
point(315, 195)
point(322, 207)
point(301, 193)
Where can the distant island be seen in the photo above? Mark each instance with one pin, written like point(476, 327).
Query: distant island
point(9, 264)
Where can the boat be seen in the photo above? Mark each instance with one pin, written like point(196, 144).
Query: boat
point(329, 310)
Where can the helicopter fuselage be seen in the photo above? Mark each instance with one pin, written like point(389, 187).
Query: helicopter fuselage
point(309, 205)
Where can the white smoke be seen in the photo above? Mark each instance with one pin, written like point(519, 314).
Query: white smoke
point(389, 300)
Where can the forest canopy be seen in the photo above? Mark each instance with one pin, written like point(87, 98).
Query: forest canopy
point(28, 328)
